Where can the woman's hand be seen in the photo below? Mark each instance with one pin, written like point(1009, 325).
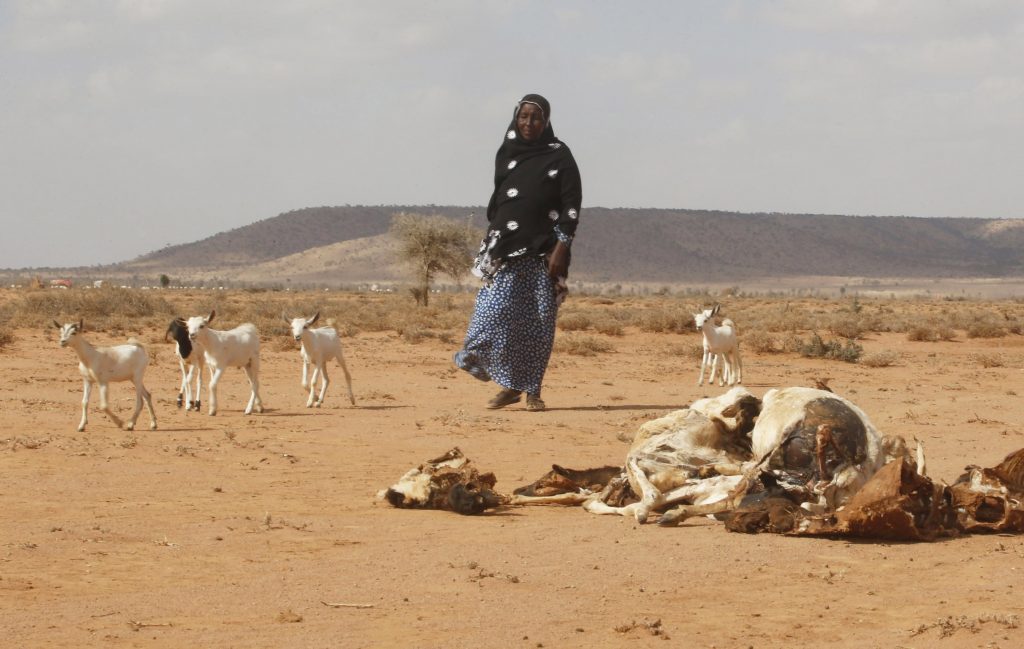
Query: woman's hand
point(558, 261)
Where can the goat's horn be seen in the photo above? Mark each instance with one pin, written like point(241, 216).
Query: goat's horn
point(213, 312)
point(56, 324)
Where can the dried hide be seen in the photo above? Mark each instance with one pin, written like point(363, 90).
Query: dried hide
point(991, 500)
point(896, 504)
point(449, 482)
point(562, 486)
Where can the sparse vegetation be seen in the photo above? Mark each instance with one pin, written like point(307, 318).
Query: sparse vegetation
point(433, 245)
point(581, 345)
point(762, 342)
point(987, 360)
point(816, 347)
point(884, 358)
point(930, 333)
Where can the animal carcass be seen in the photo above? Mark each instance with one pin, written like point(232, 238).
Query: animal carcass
point(449, 482)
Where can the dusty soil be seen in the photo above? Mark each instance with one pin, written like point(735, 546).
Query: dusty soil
point(264, 531)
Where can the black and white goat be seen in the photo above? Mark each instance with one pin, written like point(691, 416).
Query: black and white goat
point(191, 360)
point(101, 365)
point(239, 347)
point(319, 346)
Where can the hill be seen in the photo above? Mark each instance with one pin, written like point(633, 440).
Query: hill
point(339, 245)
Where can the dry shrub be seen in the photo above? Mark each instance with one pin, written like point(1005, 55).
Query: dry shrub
point(575, 321)
point(665, 321)
point(608, 327)
point(880, 359)
point(816, 347)
point(694, 351)
point(846, 326)
point(415, 333)
point(581, 345)
point(987, 360)
point(762, 342)
point(985, 329)
point(117, 309)
point(6, 337)
point(284, 344)
point(930, 333)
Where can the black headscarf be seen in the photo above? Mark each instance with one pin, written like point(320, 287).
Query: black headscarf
point(536, 190)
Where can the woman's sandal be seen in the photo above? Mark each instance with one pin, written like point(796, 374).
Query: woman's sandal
point(535, 403)
point(504, 398)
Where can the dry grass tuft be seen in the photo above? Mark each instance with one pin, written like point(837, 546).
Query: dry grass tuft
point(582, 345)
point(880, 359)
point(816, 347)
point(930, 333)
point(763, 342)
point(985, 329)
point(987, 360)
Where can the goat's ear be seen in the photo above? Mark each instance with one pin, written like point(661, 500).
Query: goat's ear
point(56, 324)
point(316, 316)
point(286, 319)
point(213, 312)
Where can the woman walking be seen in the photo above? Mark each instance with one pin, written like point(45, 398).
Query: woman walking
point(524, 257)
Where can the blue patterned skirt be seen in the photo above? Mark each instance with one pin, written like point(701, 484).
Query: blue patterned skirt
point(512, 330)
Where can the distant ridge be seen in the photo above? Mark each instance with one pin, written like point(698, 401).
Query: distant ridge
point(339, 245)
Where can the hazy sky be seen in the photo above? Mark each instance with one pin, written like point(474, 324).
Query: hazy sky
point(127, 125)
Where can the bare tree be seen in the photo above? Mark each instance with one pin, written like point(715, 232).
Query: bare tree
point(433, 245)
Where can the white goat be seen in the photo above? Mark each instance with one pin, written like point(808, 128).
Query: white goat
point(101, 365)
point(191, 360)
point(319, 346)
point(239, 347)
point(721, 341)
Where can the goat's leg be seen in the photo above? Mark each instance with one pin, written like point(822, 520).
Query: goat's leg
point(253, 372)
point(252, 387)
point(737, 364)
point(186, 385)
point(348, 377)
point(703, 364)
point(325, 381)
point(305, 370)
point(312, 386)
point(139, 389)
point(677, 515)
point(199, 386)
point(105, 406)
point(649, 494)
point(85, 405)
point(714, 369)
point(597, 506)
point(148, 398)
point(215, 374)
point(184, 389)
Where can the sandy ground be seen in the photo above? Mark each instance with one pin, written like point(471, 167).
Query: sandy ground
point(264, 531)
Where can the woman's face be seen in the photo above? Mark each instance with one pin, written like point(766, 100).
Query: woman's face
point(530, 122)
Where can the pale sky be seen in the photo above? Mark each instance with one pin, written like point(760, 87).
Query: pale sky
point(127, 125)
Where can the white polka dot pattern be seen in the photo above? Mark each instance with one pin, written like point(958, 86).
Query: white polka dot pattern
point(512, 330)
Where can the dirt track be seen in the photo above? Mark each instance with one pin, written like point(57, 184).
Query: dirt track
point(263, 531)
